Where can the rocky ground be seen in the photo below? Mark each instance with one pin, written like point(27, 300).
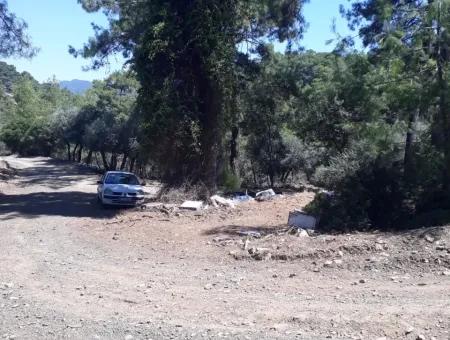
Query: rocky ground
point(70, 269)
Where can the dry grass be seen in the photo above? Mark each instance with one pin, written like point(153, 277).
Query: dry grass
point(182, 193)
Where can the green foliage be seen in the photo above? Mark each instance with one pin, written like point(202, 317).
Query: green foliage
point(27, 112)
point(184, 54)
point(197, 106)
point(13, 37)
point(372, 197)
point(231, 181)
point(8, 77)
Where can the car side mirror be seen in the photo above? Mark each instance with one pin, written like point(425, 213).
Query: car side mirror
point(99, 182)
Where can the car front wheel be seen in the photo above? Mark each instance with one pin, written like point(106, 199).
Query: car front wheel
point(100, 201)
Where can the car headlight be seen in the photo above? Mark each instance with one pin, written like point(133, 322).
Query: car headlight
point(108, 192)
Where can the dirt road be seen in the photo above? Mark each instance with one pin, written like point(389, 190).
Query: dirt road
point(69, 269)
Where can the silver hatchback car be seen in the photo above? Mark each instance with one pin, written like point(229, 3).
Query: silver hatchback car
point(120, 188)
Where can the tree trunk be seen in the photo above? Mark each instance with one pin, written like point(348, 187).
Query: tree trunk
point(113, 162)
point(208, 92)
point(233, 148)
point(69, 154)
point(124, 162)
point(104, 160)
point(80, 153)
point(211, 135)
point(408, 161)
point(255, 179)
point(88, 159)
point(74, 153)
point(271, 178)
point(97, 162)
point(443, 104)
point(132, 163)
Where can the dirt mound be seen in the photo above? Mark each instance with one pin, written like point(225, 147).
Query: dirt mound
point(423, 250)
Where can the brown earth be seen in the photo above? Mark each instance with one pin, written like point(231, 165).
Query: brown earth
point(70, 269)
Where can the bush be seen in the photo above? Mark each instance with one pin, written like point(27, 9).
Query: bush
point(300, 156)
point(343, 165)
point(28, 138)
point(373, 197)
point(231, 181)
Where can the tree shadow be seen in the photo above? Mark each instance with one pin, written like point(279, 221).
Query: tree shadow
point(54, 174)
point(237, 230)
point(68, 203)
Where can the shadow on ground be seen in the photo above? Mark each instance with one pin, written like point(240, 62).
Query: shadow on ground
point(54, 174)
point(70, 204)
point(236, 230)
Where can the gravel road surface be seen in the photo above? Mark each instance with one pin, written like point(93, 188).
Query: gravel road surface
point(70, 269)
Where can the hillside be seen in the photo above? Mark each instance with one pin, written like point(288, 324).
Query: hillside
point(8, 76)
point(76, 86)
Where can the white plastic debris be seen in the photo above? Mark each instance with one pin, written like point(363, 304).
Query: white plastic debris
point(265, 195)
point(299, 219)
point(192, 205)
point(220, 201)
point(241, 197)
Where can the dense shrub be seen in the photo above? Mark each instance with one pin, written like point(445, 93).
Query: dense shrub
point(373, 197)
point(231, 182)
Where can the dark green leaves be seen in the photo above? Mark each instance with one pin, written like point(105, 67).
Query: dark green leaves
point(14, 40)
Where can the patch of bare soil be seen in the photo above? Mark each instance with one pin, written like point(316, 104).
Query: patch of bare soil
point(70, 269)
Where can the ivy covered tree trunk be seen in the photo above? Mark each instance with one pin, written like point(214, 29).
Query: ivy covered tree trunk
point(444, 118)
point(211, 135)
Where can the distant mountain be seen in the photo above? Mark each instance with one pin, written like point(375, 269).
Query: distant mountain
point(76, 86)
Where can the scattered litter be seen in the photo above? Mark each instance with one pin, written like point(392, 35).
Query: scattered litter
point(265, 195)
point(192, 205)
point(299, 219)
point(302, 232)
point(240, 197)
point(220, 201)
point(254, 234)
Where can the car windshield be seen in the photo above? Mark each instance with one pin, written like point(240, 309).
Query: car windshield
point(122, 179)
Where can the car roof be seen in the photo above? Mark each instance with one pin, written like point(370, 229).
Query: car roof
point(119, 172)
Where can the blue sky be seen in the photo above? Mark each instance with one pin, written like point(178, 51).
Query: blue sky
point(55, 24)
